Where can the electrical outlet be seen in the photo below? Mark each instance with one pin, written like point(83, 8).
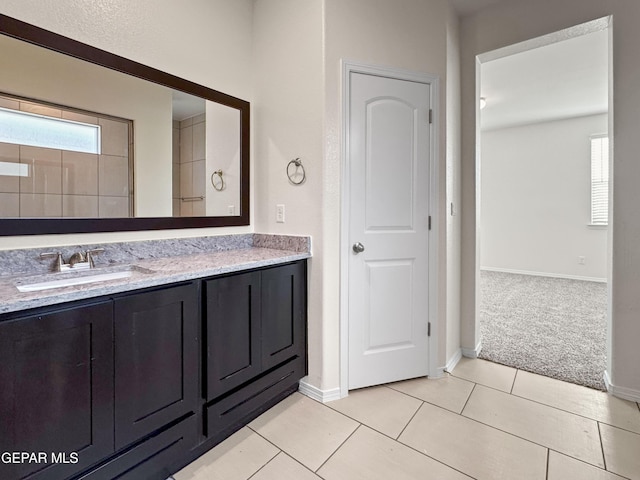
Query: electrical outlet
point(280, 213)
point(581, 260)
point(231, 210)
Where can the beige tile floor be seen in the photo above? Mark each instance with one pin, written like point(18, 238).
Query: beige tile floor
point(484, 421)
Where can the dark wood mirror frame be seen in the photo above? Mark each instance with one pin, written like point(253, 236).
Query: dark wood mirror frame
point(40, 226)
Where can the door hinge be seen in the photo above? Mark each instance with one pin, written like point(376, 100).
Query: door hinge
point(429, 222)
point(428, 329)
point(430, 116)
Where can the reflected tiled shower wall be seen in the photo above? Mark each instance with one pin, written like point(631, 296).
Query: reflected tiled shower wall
point(189, 167)
point(62, 183)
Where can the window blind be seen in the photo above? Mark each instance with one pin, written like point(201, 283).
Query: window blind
point(599, 179)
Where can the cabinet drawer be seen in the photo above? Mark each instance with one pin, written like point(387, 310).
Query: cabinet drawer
point(149, 460)
point(228, 413)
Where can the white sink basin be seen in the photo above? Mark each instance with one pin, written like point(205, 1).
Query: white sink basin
point(85, 277)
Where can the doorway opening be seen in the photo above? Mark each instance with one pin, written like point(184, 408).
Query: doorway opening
point(544, 129)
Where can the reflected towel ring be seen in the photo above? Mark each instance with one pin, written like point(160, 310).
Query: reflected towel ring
point(293, 175)
point(217, 185)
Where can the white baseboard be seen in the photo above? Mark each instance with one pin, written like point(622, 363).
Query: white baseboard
point(543, 274)
point(453, 361)
point(630, 394)
point(322, 396)
point(472, 352)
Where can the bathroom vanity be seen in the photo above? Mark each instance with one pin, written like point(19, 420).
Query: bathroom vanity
point(135, 377)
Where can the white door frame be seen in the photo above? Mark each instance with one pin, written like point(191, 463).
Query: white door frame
point(520, 47)
point(398, 74)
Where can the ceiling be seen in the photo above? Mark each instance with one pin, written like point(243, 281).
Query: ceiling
point(562, 80)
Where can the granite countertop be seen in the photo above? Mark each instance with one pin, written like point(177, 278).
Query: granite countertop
point(146, 272)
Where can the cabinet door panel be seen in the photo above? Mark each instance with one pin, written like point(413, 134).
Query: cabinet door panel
point(56, 372)
point(283, 313)
point(233, 331)
point(156, 355)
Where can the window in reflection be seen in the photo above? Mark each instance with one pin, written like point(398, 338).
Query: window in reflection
point(41, 131)
point(53, 175)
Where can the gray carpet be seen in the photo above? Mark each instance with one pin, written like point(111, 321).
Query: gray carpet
point(551, 326)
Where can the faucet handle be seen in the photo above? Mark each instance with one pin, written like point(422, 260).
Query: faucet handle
point(57, 255)
point(89, 255)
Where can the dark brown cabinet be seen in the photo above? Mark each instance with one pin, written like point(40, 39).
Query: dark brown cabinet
point(283, 302)
point(137, 385)
point(255, 341)
point(232, 331)
point(56, 390)
point(156, 360)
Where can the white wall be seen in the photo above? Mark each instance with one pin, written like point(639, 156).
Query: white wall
point(208, 42)
point(407, 34)
point(299, 46)
point(453, 190)
point(506, 24)
point(535, 199)
point(223, 153)
point(287, 113)
point(285, 57)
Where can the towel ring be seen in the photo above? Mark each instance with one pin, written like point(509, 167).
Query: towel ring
point(297, 163)
point(219, 185)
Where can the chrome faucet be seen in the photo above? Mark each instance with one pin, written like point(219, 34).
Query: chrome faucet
point(77, 261)
point(77, 257)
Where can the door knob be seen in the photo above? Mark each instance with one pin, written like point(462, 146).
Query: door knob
point(358, 247)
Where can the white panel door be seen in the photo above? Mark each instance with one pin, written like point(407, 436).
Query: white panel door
point(389, 135)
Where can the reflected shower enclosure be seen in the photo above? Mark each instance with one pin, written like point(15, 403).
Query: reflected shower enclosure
point(57, 161)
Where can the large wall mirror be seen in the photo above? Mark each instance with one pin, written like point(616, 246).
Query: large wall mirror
point(94, 142)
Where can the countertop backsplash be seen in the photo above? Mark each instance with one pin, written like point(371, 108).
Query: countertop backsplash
point(152, 263)
point(28, 261)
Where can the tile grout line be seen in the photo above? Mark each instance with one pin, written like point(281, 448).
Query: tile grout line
point(467, 401)
point(301, 464)
point(604, 458)
point(523, 438)
point(513, 384)
point(294, 459)
point(397, 439)
point(455, 413)
point(410, 447)
point(570, 412)
point(266, 440)
point(375, 429)
point(364, 424)
point(557, 408)
point(548, 457)
point(360, 424)
point(427, 401)
point(336, 450)
point(588, 464)
point(270, 460)
point(521, 397)
point(412, 417)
